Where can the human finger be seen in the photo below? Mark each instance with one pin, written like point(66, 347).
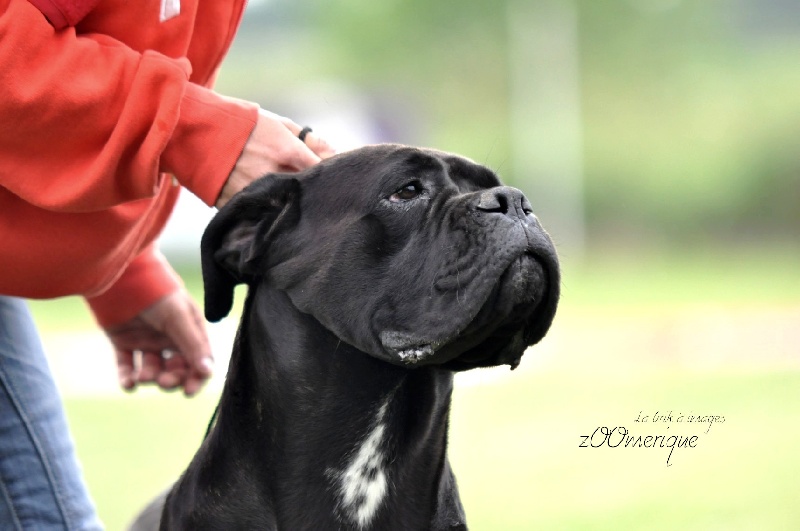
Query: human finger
point(125, 369)
point(279, 136)
point(193, 383)
point(312, 141)
point(299, 156)
point(150, 367)
point(178, 318)
point(173, 372)
point(319, 145)
point(186, 330)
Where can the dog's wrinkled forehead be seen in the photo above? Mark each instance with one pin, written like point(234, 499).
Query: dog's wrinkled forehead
point(378, 169)
point(468, 175)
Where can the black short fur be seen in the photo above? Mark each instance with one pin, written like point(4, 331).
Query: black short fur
point(372, 277)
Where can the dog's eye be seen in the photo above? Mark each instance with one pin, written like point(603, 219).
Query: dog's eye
point(406, 193)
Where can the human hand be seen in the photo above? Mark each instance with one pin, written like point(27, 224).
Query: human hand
point(273, 146)
point(166, 344)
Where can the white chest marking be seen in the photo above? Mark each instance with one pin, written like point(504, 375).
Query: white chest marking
point(363, 484)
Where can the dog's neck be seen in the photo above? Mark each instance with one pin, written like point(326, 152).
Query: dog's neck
point(332, 437)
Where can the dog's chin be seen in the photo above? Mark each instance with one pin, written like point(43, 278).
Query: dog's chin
point(504, 346)
point(522, 285)
point(497, 335)
point(505, 320)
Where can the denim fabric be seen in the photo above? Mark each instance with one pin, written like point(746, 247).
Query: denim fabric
point(41, 485)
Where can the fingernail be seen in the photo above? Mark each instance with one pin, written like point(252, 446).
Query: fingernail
point(192, 387)
point(169, 384)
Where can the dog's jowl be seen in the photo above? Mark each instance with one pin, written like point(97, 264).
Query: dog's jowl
point(372, 277)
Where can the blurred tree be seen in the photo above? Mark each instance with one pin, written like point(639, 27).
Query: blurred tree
point(690, 108)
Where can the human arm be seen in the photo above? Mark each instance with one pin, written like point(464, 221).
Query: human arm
point(170, 341)
point(146, 312)
point(92, 122)
point(273, 146)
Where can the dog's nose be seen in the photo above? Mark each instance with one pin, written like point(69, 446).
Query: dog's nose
point(504, 200)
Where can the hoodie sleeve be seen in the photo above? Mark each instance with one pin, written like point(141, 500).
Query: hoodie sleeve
point(146, 280)
point(63, 13)
point(90, 122)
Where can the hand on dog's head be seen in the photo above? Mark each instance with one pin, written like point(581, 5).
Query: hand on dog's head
point(413, 256)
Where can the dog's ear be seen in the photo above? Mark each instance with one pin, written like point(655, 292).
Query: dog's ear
point(236, 239)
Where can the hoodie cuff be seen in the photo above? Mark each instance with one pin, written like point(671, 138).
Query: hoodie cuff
point(146, 280)
point(207, 141)
point(63, 13)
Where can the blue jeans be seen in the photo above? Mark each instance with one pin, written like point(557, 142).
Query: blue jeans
point(41, 485)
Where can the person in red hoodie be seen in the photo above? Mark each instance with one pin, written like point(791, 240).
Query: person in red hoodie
point(107, 111)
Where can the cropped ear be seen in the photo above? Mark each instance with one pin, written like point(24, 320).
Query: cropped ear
point(237, 238)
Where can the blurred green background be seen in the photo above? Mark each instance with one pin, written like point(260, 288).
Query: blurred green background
point(658, 141)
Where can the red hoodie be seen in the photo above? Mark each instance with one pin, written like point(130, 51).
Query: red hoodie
point(101, 103)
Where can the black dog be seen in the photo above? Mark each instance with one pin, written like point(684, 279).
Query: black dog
point(372, 277)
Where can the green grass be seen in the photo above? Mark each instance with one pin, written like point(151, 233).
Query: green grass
point(743, 275)
point(515, 449)
point(133, 447)
point(514, 443)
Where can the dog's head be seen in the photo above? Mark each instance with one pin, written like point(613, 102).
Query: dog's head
point(413, 256)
